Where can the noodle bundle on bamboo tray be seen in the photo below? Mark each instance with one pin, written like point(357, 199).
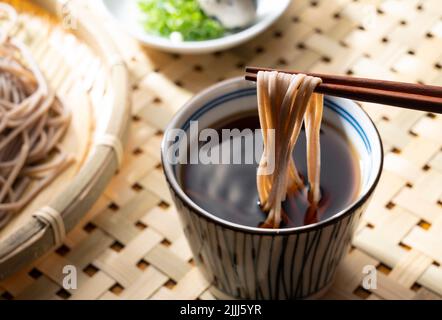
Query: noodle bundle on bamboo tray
point(32, 123)
point(285, 102)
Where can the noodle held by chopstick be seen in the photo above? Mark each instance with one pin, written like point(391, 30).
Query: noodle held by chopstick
point(32, 123)
point(284, 103)
point(312, 120)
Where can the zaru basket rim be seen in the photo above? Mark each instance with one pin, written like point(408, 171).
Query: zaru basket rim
point(35, 238)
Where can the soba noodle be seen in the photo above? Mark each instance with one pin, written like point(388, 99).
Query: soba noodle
point(32, 123)
point(285, 102)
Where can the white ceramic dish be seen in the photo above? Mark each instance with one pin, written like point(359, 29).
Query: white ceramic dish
point(126, 14)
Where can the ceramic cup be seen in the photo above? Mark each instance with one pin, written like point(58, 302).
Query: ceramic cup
point(253, 263)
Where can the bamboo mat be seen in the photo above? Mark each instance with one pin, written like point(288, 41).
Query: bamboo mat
point(130, 245)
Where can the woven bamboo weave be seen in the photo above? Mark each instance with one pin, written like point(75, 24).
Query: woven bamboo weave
point(130, 245)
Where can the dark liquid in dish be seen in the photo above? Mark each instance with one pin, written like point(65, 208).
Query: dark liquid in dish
point(228, 191)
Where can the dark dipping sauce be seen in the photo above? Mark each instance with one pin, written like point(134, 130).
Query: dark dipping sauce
point(229, 191)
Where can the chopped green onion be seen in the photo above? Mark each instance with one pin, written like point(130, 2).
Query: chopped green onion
point(167, 17)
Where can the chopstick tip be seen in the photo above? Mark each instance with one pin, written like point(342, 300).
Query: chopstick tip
point(251, 69)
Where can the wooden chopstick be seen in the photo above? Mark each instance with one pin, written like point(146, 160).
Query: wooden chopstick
point(405, 95)
point(410, 88)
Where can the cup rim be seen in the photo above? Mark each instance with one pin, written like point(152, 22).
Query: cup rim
point(179, 192)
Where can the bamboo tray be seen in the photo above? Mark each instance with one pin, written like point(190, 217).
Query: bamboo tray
point(82, 64)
